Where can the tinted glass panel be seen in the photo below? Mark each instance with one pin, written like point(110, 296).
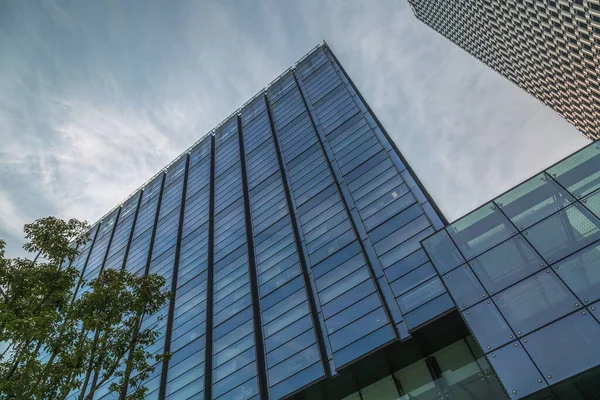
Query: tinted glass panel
point(443, 252)
point(580, 173)
point(297, 381)
point(516, 370)
point(564, 232)
point(364, 346)
point(535, 301)
point(464, 287)
point(358, 329)
point(581, 273)
point(488, 325)
point(293, 364)
point(421, 294)
point(533, 200)
point(480, 230)
point(566, 347)
point(506, 264)
point(592, 202)
point(429, 310)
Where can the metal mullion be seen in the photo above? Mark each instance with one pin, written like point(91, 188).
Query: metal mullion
point(316, 316)
point(87, 258)
point(346, 198)
point(112, 233)
point(165, 365)
point(387, 136)
point(148, 257)
point(257, 318)
point(208, 356)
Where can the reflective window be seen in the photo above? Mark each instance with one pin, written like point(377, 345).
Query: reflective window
point(358, 329)
point(344, 285)
point(516, 370)
point(351, 314)
point(464, 287)
point(443, 252)
point(293, 364)
point(565, 347)
point(592, 202)
point(579, 173)
point(506, 264)
point(533, 200)
point(425, 312)
point(363, 346)
point(535, 301)
point(488, 325)
point(406, 265)
point(413, 279)
point(288, 333)
point(480, 230)
point(564, 233)
point(421, 294)
point(581, 273)
point(299, 343)
point(296, 381)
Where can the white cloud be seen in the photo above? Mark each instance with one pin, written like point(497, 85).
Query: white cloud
point(96, 98)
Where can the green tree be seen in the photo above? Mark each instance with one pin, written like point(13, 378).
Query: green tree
point(52, 343)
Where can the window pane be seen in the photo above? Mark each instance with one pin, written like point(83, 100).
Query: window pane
point(480, 230)
point(294, 346)
point(413, 279)
point(364, 346)
point(464, 287)
point(566, 347)
point(535, 301)
point(564, 233)
point(443, 252)
point(516, 371)
point(421, 294)
point(581, 273)
point(592, 202)
point(533, 200)
point(506, 264)
point(580, 173)
point(350, 314)
point(297, 381)
point(428, 311)
point(488, 325)
point(293, 364)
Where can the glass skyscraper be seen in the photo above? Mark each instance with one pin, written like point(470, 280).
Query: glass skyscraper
point(550, 48)
point(289, 236)
point(303, 257)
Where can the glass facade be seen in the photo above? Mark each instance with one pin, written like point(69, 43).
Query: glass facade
point(307, 261)
point(290, 239)
point(456, 372)
point(524, 271)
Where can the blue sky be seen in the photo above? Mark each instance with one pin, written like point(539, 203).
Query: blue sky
point(96, 97)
